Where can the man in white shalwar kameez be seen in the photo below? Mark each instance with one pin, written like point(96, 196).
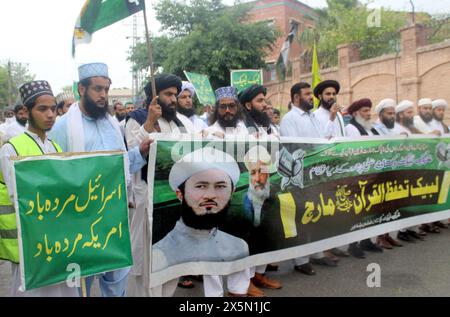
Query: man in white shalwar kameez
point(88, 127)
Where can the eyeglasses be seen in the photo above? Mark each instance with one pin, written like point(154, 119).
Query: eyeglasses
point(231, 106)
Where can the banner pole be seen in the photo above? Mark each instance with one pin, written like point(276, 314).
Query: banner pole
point(83, 287)
point(149, 51)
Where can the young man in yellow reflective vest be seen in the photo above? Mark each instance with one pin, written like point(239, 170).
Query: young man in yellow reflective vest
point(38, 97)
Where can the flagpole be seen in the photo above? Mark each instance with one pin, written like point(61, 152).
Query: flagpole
point(149, 51)
point(147, 251)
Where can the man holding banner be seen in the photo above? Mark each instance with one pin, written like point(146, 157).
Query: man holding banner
point(254, 103)
point(226, 119)
point(88, 127)
point(158, 117)
point(302, 122)
point(38, 97)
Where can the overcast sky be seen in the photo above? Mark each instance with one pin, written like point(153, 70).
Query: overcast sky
point(39, 33)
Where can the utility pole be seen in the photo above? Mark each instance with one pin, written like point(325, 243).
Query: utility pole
point(413, 12)
point(9, 85)
point(136, 80)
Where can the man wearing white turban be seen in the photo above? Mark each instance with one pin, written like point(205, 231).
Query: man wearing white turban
point(204, 181)
point(404, 116)
point(386, 125)
point(186, 106)
point(439, 106)
point(425, 116)
point(259, 164)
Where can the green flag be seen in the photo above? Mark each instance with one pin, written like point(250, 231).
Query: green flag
point(315, 74)
point(75, 91)
point(244, 78)
point(98, 14)
point(203, 89)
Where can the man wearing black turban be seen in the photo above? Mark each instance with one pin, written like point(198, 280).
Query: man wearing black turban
point(253, 101)
point(328, 111)
point(159, 116)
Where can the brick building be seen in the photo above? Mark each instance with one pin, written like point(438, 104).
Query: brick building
point(282, 13)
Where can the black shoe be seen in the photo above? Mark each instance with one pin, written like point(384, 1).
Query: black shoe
point(415, 235)
point(339, 252)
point(185, 282)
point(441, 225)
point(354, 250)
point(271, 268)
point(305, 269)
point(404, 236)
point(323, 261)
point(368, 245)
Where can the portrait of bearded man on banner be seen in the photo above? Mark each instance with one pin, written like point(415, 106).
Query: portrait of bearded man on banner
point(259, 165)
point(204, 181)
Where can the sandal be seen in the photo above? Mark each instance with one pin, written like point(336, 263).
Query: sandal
point(440, 225)
point(434, 229)
point(429, 228)
point(185, 282)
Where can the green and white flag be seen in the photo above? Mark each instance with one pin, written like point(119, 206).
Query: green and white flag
point(98, 14)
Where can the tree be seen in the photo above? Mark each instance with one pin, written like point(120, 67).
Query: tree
point(19, 75)
point(179, 19)
point(207, 37)
point(348, 22)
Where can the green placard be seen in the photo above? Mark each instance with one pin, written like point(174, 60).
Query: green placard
point(244, 78)
point(72, 210)
point(203, 89)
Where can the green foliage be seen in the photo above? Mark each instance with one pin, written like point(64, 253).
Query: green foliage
point(207, 38)
point(19, 75)
point(347, 22)
point(180, 18)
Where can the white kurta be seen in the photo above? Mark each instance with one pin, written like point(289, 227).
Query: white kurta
point(337, 126)
point(60, 290)
point(185, 244)
point(240, 129)
point(437, 125)
point(384, 130)
point(399, 129)
point(422, 126)
point(198, 124)
point(12, 130)
point(298, 123)
point(352, 131)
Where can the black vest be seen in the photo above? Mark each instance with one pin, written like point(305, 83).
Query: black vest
point(361, 129)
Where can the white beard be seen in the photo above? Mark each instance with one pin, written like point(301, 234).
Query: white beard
point(257, 197)
point(10, 120)
point(365, 123)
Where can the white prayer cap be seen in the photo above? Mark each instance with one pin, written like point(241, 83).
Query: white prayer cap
point(257, 154)
point(202, 160)
point(403, 105)
point(187, 86)
point(385, 103)
point(93, 70)
point(64, 96)
point(424, 102)
point(439, 103)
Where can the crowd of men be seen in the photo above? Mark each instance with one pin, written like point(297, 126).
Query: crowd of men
point(44, 124)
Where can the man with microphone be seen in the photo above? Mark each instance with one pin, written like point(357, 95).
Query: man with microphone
point(328, 112)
